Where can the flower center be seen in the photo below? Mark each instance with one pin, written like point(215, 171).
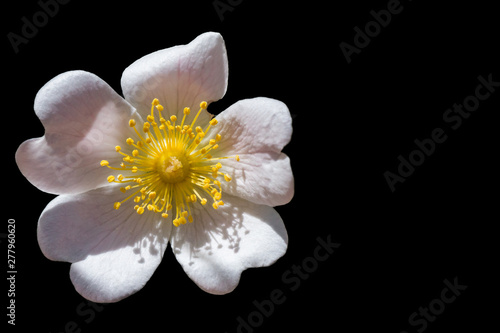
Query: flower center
point(172, 168)
point(168, 169)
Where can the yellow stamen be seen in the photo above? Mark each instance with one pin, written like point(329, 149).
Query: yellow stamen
point(167, 169)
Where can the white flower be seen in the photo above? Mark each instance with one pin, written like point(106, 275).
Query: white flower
point(137, 173)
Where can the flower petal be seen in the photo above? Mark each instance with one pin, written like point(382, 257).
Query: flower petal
point(256, 130)
point(220, 244)
point(180, 76)
point(84, 120)
point(263, 178)
point(114, 252)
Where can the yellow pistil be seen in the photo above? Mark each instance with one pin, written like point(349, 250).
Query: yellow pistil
point(167, 168)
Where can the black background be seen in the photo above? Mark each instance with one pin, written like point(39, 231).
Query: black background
point(351, 122)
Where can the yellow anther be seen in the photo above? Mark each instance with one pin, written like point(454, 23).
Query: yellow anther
point(227, 178)
point(166, 142)
point(237, 157)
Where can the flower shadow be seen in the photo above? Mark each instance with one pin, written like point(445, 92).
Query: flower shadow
point(222, 232)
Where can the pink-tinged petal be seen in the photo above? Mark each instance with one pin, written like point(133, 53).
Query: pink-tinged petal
point(114, 252)
point(180, 76)
point(256, 130)
point(219, 244)
point(263, 178)
point(84, 119)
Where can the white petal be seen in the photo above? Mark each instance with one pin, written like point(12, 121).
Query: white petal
point(84, 120)
point(114, 252)
point(263, 178)
point(220, 244)
point(180, 76)
point(256, 130)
